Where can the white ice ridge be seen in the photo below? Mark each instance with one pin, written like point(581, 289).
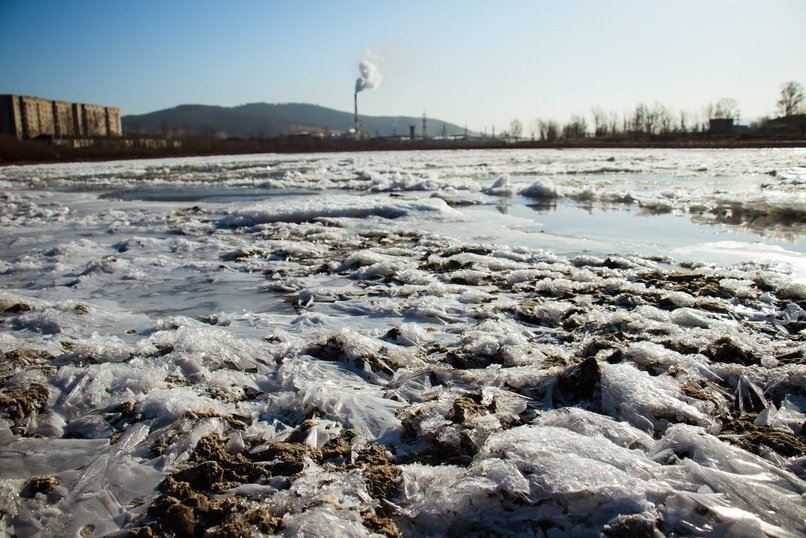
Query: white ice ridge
point(340, 206)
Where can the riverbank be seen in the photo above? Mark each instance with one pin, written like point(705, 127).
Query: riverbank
point(14, 151)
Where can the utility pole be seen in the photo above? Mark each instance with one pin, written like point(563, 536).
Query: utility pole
point(425, 132)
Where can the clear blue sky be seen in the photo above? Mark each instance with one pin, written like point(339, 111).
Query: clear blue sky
point(470, 62)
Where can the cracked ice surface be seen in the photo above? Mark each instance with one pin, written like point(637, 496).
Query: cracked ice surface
point(382, 343)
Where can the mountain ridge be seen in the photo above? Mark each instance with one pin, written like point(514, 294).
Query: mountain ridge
point(275, 119)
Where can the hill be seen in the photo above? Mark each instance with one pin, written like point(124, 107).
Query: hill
point(258, 119)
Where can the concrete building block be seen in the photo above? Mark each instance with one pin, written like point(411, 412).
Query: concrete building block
point(10, 122)
point(26, 117)
point(114, 125)
point(94, 120)
point(37, 117)
point(63, 119)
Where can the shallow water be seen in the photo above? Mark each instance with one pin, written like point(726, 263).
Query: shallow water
point(628, 227)
point(623, 226)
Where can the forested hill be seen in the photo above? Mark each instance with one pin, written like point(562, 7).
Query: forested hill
point(258, 119)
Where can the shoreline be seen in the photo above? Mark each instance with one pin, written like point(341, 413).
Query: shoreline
point(16, 152)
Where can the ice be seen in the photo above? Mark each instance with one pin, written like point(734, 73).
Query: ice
point(450, 321)
point(648, 403)
point(9, 499)
point(341, 395)
point(532, 474)
point(595, 425)
point(710, 515)
point(501, 187)
point(772, 507)
point(539, 190)
point(339, 206)
point(654, 357)
point(165, 406)
point(412, 334)
point(527, 446)
point(27, 457)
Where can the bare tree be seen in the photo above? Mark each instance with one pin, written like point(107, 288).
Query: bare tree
point(577, 127)
point(650, 120)
point(542, 130)
point(599, 121)
point(612, 122)
point(639, 118)
point(515, 129)
point(683, 121)
point(726, 108)
point(549, 130)
point(663, 116)
point(792, 95)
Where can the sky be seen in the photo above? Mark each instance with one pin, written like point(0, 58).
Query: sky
point(475, 63)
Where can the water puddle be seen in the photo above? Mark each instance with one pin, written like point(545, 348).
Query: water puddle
point(632, 224)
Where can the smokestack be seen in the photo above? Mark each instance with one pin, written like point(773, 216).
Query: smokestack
point(370, 78)
point(357, 121)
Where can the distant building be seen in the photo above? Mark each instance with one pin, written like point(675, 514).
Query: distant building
point(27, 117)
point(720, 126)
point(787, 125)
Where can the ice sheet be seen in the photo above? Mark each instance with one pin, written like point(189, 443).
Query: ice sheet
point(437, 343)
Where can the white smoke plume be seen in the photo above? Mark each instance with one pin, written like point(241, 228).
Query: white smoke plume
point(370, 76)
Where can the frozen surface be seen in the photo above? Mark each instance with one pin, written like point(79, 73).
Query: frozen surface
point(542, 343)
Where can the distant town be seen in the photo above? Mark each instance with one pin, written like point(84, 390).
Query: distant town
point(35, 129)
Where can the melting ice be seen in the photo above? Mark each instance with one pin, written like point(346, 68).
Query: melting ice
point(539, 343)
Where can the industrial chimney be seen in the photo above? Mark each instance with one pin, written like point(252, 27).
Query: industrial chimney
point(357, 121)
point(370, 78)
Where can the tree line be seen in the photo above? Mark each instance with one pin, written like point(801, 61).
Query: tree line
point(651, 120)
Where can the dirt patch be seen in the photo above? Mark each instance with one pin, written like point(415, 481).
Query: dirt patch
point(18, 359)
point(466, 408)
point(21, 403)
point(382, 525)
point(39, 484)
point(578, 384)
point(235, 467)
point(466, 360)
point(725, 350)
point(185, 508)
point(200, 477)
point(288, 459)
point(632, 526)
point(240, 528)
point(744, 433)
point(232, 421)
point(191, 516)
point(18, 308)
point(429, 449)
point(382, 481)
point(700, 393)
point(691, 282)
point(332, 349)
point(341, 446)
point(372, 455)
